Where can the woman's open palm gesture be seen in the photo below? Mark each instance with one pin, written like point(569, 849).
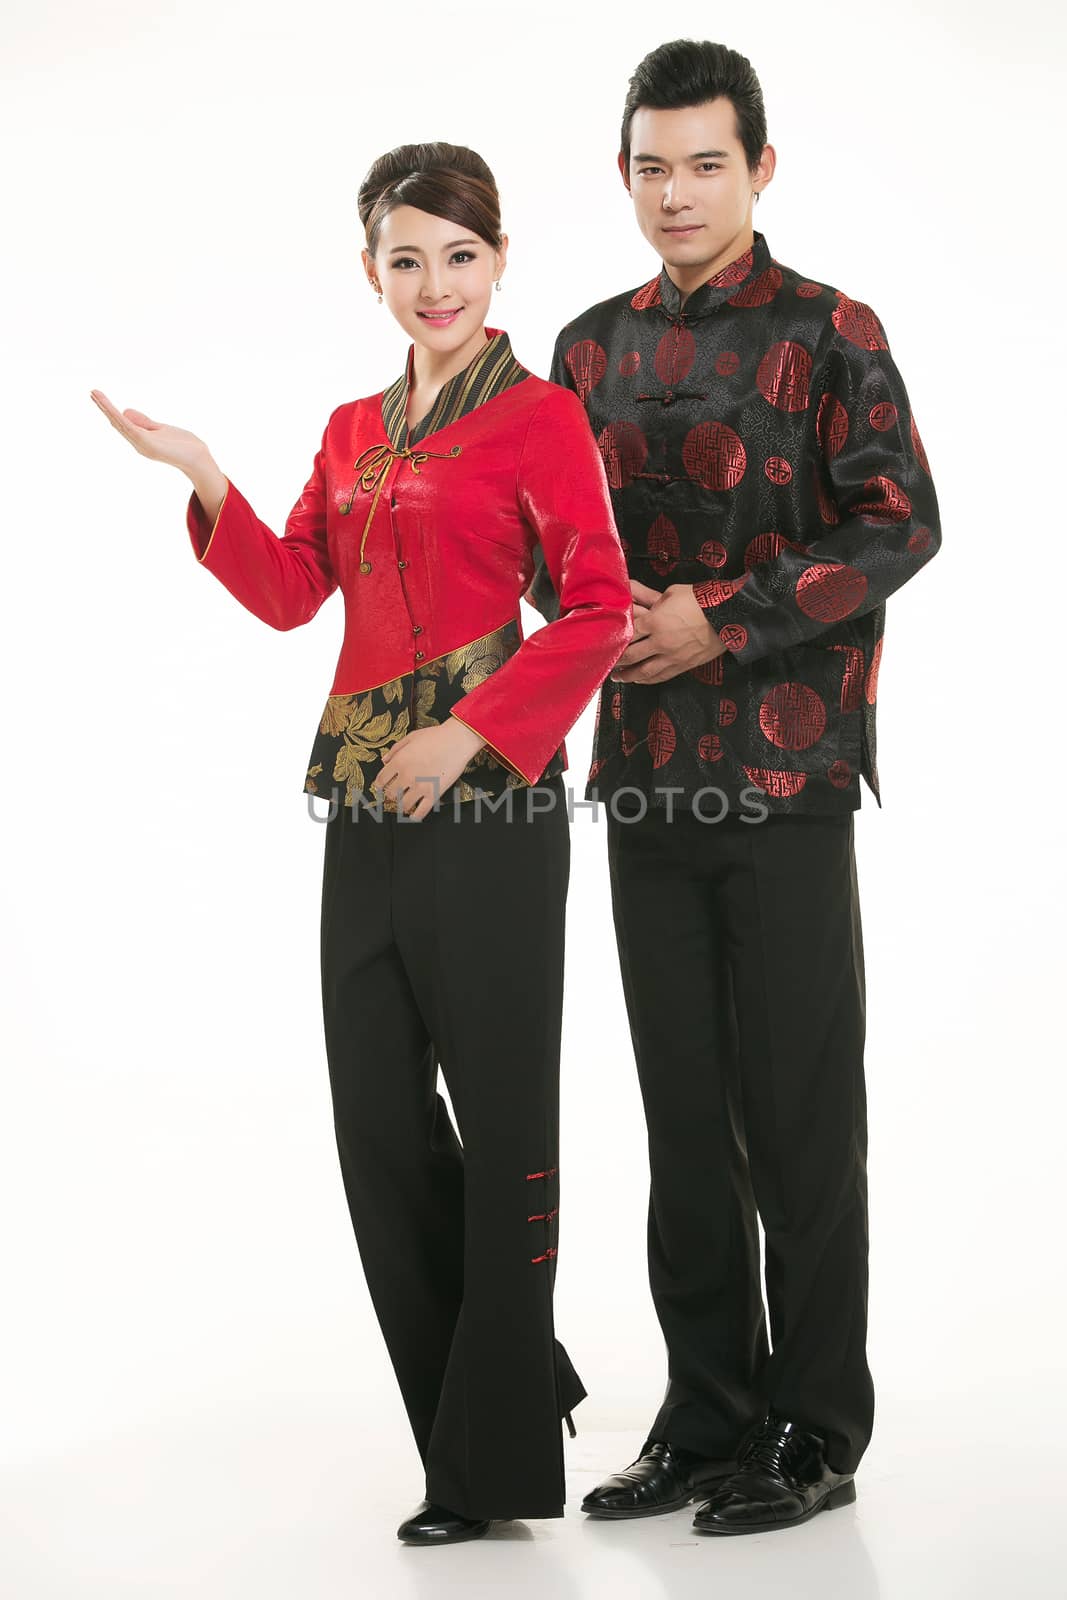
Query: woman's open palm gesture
point(157, 440)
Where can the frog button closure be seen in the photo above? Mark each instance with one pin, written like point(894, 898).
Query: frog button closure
point(372, 468)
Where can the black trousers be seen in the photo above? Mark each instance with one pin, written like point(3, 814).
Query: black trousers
point(741, 956)
point(443, 945)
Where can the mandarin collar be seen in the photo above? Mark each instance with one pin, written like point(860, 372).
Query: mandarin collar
point(488, 373)
point(706, 297)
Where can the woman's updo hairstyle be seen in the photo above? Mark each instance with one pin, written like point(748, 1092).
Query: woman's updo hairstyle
point(447, 180)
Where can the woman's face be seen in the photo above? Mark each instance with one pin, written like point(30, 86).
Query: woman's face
point(425, 265)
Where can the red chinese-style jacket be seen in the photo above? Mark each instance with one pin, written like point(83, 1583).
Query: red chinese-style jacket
point(430, 534)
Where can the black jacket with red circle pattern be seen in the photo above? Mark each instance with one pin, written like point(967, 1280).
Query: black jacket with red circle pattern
point(760, 445)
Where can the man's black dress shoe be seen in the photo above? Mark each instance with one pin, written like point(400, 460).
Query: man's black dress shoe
point(433, 1524)
point(663, 1478)
point(782, 1479)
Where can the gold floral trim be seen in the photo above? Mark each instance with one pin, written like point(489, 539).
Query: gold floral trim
point(356, 729)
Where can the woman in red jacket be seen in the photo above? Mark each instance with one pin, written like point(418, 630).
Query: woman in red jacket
point(447, 851)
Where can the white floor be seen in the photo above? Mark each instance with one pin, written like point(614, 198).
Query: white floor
point(228, 1506)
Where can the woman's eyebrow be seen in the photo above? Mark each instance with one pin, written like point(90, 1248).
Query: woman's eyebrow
point(413, 249)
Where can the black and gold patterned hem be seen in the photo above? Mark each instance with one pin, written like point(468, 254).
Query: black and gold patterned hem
point(356, 729)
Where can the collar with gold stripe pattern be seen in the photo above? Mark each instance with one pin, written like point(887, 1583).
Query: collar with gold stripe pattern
point(492, 370)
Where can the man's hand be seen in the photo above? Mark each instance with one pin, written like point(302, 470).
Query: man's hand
point(420, 766)
point(671, 635)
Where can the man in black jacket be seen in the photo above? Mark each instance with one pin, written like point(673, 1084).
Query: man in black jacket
point(771, 490)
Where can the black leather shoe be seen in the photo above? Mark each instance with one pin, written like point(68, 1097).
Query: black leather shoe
point(433, 1524)
point(663, 1478)
point(782, 1479)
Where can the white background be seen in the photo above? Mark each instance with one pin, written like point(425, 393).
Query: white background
point(195, 1392)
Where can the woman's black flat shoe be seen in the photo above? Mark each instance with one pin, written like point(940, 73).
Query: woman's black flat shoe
point(433, 1524)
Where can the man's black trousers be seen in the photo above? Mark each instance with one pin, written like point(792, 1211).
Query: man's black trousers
point(741, 956)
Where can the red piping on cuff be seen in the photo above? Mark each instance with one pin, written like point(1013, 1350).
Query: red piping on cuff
point(215, 524)
point(505, 759)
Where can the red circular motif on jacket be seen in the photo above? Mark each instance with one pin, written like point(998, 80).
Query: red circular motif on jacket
point(727, 363)
point(777, 468)
point(831, 425)
point(780, 785)
point(587, 363)
point(647, 296)
point(727, 712)
point(616, 704)
point(713, 591)
point(663, 546)
point(919, 541)
point(709, 671)
point(858, 324)
point(809, 291)
point(888, 501)
point(735, 271)
point(629, 363)
point(828, 592)
point(765, 546)
point(662, 738)
point(629, 742)
point(852, 678)
point(759, 291)
point(625, 451)
point(883, 415)
point(734, 636)
point(709, 747)
point(827, 506)
point(917, 446)
point(675, 355)
point(792, 716)
point(871, 687)
point(783, 375)
point(712, 553)
point(714, 455)
point(840, 774)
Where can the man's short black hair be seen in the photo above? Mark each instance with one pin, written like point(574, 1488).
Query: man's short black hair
point(686, 72)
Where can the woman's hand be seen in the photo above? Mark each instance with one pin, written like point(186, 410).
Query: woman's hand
point(157, 440)
point(421, 765)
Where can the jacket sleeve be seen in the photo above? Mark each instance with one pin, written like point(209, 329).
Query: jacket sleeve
point(541, 593)
point(283, 581)
point(877, 516)
point(526, 707)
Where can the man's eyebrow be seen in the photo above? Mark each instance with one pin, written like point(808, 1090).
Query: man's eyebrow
point(413, 249)
point(701, 155)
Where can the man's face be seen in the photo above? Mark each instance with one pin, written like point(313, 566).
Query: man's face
point(691, 186)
